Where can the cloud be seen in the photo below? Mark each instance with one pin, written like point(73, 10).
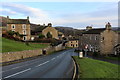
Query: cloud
point(7, 11)
point(36, 15)
point(106, 13)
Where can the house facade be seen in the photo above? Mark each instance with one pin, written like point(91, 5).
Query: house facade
point(22, 26)
point(52, 31)
point(72, 43)
point(100, 40)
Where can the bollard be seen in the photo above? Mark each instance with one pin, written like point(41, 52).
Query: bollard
point(81, 54)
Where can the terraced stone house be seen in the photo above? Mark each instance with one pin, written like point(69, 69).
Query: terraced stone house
point(101, 40)
point(72, 43)
point(22, 26)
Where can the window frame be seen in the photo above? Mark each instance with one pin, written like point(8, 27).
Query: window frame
point(13, 25)
point(24, 26)
point(24, 32)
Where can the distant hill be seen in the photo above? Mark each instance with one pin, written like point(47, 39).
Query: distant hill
point(116, 28)
point(69, 31)
point(3, 21)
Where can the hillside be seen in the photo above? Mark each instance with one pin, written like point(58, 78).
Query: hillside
point(3, 21)
point(69, 31)
point(11, 46)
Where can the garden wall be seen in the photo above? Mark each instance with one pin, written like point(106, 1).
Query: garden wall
point(11, 56)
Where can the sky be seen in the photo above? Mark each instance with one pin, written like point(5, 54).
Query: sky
point(68, 14)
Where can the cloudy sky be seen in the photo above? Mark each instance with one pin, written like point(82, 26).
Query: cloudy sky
point(69, 14)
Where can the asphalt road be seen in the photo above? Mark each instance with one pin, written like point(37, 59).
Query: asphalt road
point(58, 65)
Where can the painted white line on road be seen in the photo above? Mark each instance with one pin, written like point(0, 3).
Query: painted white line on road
point(52, 58)
point(42, 64)
point(11, 69)
point(18, 73)
point(19, 67)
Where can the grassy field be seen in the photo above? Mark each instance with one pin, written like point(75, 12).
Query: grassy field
point(11, 46)
point(90, 68)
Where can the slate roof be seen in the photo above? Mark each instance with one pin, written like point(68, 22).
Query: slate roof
point(18, 21)
point(94, 31)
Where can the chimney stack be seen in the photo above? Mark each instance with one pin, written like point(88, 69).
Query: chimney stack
point(108, 26)
point(27, 17)
point(7, 17)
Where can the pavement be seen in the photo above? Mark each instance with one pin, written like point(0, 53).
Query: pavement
point(58, 65)
point(107, 60)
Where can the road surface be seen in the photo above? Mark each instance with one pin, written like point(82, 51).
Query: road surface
point(58, 65)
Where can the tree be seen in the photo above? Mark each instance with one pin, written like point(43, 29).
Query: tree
point(49, 35)
point(41, 36)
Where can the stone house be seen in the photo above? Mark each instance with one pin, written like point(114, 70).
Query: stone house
point(36, 29)
point(61, 35)
point(22, 26)
point(44, 29)
point(100, 40)
point(52, 31)
point(72, 43)
point(117, 49)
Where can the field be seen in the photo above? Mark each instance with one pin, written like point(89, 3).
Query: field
point(90, 68)
point(12, 46)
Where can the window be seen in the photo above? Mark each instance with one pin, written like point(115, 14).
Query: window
point(71, 45)
point(103, 38)
point(96, 37)
point(13, 26)
point(90, 38)
point(24, 26)
point(71, 41)
point(24, 31)
point(76, 45)
point(24, 38)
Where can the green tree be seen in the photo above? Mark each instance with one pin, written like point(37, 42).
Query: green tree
point(49, 35)
point(41, 36)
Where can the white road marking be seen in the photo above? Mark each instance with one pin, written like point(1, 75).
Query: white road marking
point(42, 64)
point(19, 67)
point(11, 69)
point(52, 58)
point(28, 68)
point(18, 73)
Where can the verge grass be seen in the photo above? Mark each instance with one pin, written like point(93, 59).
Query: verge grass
point(90, 68)
point(12, 46)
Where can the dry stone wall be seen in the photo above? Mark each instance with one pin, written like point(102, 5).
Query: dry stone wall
point(11, 56)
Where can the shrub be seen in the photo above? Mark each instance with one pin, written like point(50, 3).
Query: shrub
point(11, 33)
point(41, 36)
point(96, 54)
point(49, 35)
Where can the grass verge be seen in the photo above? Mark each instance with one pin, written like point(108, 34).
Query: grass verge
point(90, 68)
point(12, 46)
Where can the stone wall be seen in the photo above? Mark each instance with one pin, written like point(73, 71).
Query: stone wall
point(11, 56)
